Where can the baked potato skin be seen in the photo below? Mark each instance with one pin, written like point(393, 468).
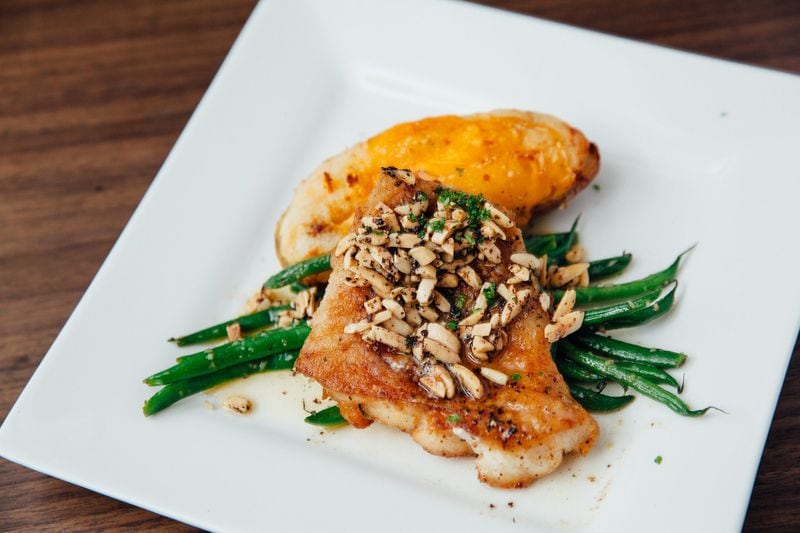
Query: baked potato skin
point(524, 161)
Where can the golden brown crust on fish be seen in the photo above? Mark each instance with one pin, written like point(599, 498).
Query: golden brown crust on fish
point(519, 431)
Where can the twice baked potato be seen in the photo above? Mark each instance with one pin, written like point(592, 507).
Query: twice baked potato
point(527, 162)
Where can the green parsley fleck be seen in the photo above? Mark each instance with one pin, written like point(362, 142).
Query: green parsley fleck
point(658, 460)
point(436, 224)
point(460, 171)
point(454, 419)
point(595, 186)
point(452, 324)
point(516, 376)
point(490, 293)
point(421, 197)
point(469, 238)
point(461, 299)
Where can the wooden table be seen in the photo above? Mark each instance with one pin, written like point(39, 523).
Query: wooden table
point(94, 93)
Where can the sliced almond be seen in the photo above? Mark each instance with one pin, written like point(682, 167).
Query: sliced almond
point(428, 313)
point(565, 305)
point(344, 244)
point(575, 254)
point(396, 309)
point(473, 318)
point(234, 331)
point(490, 251)
point(389, 338)
point(379, 283)
point(434, 386)
point(469, 381)
point(357, 327)
point(507, 294)
point(498, 216)
point(422, 255)
point(490, 230)
point(527, 260)
point(425, 290)
point(495, 376)
point(545, 300)
point(439, 351)
point(443, 335)
point(470, 277)
point(381, 316)
point(413, 317)
point(444, 376)
point(482, 330)
point(570, 323)
point(400, 174)
point(520, 274)
point(398, 326)
point(441, 302)
point(402, 263)
point(481, 345)
point(512, 308)
point(373, 305)
point(564, 275)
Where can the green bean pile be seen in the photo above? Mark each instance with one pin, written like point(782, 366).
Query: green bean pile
point(589, 359)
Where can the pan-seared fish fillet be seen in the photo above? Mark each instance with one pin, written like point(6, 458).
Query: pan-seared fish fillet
point(519, 430)
point(526, 162)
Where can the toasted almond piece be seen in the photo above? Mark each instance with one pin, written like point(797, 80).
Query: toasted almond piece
point(428, 313)
point(545, 300)
point(373, 305)
point(427, 271)
point(459, 215)
point(568, 324)
point(441, 302)
point(376, 239)
point(347, 260)
point(382, 257)
point(389, 338)
point(403, 209)
point(565, 305)
point(400, 174)
point(498, 216)
point(448, 249)
point(512, 308)
point(407, 240)
point(441, 334)
point(494, 320)
point(439, 351)
point(406, 293)
point(357, 327)
point(398, 326)
point(507, 294)
point(379, 283)
point(575, 254)
point(469, 381)
point(566, 274)
point(417, 351)
point(542, 270)
point(482, 330)
point(490, 230)
point(402, 263)
point(444, 376)
point(425, 290)
point(583, 281)
point(351, 280)
point(413, 317)
point(527, 260)
point(285, 319)
point(439, 237)
point(344, 244)
point(381, 316)
point(495, 376)
point(520, 274)
point(490, 251)
point(481, 345)
point(396, 309)
point(387, 214)
point(422, 255)
point(448, 281)
point(470, 277)
point(434, 386)
point(500, 341)
point(473, 318)
point(237, 404)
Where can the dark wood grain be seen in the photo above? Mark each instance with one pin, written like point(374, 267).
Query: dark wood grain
point(94, 93)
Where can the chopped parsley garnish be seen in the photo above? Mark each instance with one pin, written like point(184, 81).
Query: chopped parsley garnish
point(461, 299)
point(454, 419)
point(452, 324)
point(490, 293)
point(595, 186)
point(658, 459)
point(469, 238)
point(436, 224)
point(516, 376)
point(413, 218)
point(473, 205)
point(421, 197)
point(460, 171)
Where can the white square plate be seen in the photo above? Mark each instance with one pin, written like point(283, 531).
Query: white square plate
point(694, 150)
